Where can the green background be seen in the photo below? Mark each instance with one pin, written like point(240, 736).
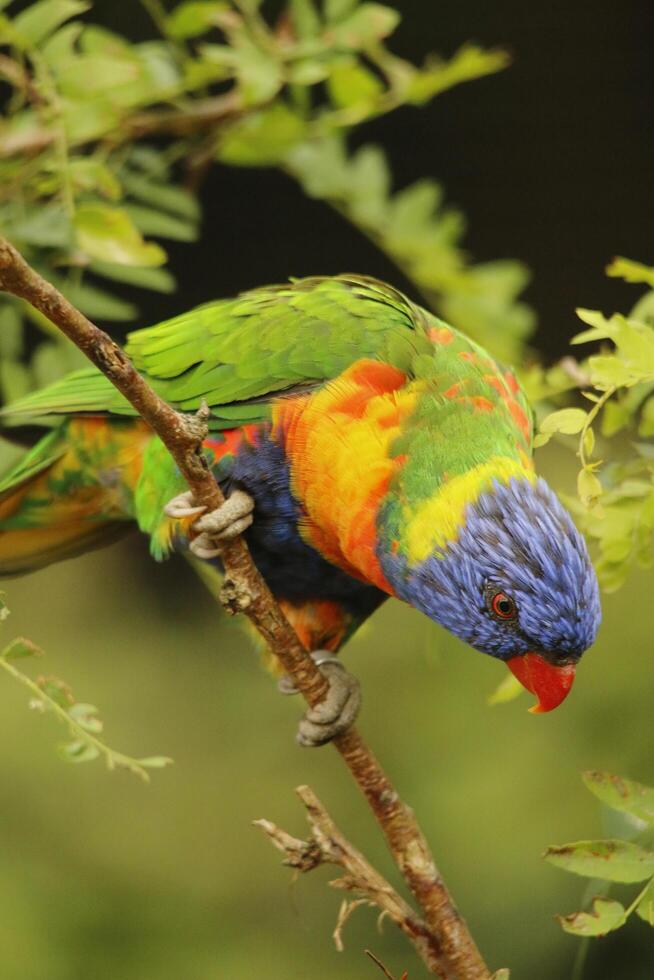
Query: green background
point(103, 877)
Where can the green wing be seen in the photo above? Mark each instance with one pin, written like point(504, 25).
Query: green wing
point(236, 354)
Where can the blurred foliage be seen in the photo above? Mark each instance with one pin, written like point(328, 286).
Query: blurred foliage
point(50, 694)
point(422, 238)
point(616, 497)
point(104, 143)
point(618, 860)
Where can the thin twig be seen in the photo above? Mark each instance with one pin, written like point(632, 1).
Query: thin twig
point(185, 119)
point(327, 845)
point(245, 591)
point(112, 758)
point(381, 966)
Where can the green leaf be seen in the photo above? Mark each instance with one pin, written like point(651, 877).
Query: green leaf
point(645, 907)
point(413, 208)
point(508, 690)
point(164, 197)
point(621, 794)
point(40, 19)
point(608, 371)
point(351, 83)
point(338, 9)
point(306, 71)
point(86, 716)
point(100, 305)
point(305, 18)
point(610, 860)
point(89, 174)
point(79, 751)
point(155, 762)
point(57, 690)
point(567, 420)
point(100, 40)
point(47, 226)
point(149, 161)
point(631, 271)
point(606, 916)
point(367, 23)
point(89, 119)
point(4, 609)
point(20, 648)
point(259, 75)
point(150, 221)
point(646, 424)
point(88, 76)
point(644, 309)
point(261, 138)
point(589, 487)
point(60, 46)
point(199, 73)
point(109, 234)
point(468, 63)
point(193, 18)
point(158, 280)
point(589, 439)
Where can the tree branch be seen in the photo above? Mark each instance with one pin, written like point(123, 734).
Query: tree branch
point(245, 591)
point(327, 845)
point(185, 119)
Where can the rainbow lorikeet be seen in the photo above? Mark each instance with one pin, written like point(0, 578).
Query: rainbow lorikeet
point(382, 453)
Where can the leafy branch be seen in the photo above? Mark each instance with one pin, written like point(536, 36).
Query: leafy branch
point(88, 199)
point(422, 237)
point(81, 719)
point(616, 499)
point(613, 860)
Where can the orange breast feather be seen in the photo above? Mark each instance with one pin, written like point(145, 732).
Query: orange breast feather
point(338, 443)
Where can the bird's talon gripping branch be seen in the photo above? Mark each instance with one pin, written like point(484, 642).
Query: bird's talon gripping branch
point(337, 711)
point(182, 506)
point(213, 530)
point(286, 686)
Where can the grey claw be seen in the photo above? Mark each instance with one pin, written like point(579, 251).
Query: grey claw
point(230, 519)
point(204, 547)
point(286, 686)
point(183, 506)
point(216, 529)
point(337, 711)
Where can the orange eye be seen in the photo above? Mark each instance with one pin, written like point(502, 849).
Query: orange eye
point(503, 606)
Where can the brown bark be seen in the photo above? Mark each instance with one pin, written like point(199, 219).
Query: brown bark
point(456, 956)
point(327, 845)
point(200, 116)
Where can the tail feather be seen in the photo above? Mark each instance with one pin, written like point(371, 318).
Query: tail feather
point(27, 550)
point(69, 494)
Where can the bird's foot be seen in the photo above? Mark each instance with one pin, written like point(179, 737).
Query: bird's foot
point(337, 711)
point(216, 529)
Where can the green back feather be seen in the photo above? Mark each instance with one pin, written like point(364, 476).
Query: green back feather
point(237, 354)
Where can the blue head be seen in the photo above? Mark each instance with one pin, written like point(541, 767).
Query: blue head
point(516, 583)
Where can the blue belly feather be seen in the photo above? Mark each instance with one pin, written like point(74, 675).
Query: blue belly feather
point(292, 568)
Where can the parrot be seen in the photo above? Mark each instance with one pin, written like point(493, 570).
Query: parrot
point(366, 449)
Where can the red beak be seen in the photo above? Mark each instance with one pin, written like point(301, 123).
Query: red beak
point(549, 683)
